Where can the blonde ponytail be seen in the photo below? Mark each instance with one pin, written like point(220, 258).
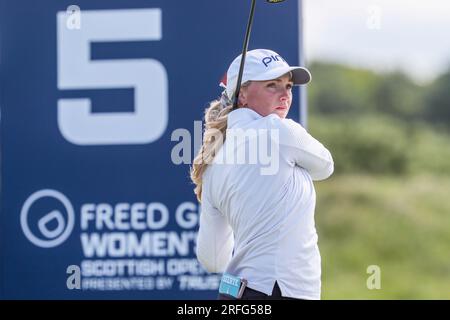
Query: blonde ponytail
point(216, 118)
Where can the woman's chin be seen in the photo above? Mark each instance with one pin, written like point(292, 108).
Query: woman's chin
point(282, 113)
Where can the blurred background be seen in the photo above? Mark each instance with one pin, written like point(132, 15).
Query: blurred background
point(96, 96)
point(380, 101)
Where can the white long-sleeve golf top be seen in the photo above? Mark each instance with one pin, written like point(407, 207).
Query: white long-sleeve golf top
point(256, 217)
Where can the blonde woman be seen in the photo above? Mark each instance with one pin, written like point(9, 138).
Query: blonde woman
point(257, 226)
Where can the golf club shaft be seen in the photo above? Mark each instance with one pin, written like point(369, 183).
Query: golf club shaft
point(244, 52)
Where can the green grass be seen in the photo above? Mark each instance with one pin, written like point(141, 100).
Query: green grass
point(400, 224)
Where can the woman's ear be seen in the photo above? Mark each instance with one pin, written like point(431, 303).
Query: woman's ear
point(242, 97)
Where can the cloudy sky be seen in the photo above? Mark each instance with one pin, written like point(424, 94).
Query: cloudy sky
point(383, 35)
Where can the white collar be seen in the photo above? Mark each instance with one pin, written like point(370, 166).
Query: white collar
point(241, 115)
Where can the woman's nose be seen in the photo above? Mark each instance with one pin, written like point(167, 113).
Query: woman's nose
point(284, 95)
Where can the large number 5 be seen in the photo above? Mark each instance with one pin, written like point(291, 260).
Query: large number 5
point(76, 70)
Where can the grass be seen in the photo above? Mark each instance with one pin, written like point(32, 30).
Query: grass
point(401, 225)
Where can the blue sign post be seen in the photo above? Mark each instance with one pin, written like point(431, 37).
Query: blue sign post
point(95, 96)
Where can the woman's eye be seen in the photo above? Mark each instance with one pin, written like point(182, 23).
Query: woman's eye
point(272, 84)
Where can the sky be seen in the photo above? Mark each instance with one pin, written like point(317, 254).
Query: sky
point(382, 35)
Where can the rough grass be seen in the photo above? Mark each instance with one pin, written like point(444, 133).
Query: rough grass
point(401, 225)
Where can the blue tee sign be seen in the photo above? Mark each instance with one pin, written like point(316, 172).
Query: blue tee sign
point(94, 96)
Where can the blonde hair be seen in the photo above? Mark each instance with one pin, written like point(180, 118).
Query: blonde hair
point(216, 118)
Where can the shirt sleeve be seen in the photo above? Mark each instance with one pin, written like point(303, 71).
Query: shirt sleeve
point(300, 148)
point(215, 240)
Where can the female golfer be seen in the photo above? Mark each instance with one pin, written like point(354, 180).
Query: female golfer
point(257, 216)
